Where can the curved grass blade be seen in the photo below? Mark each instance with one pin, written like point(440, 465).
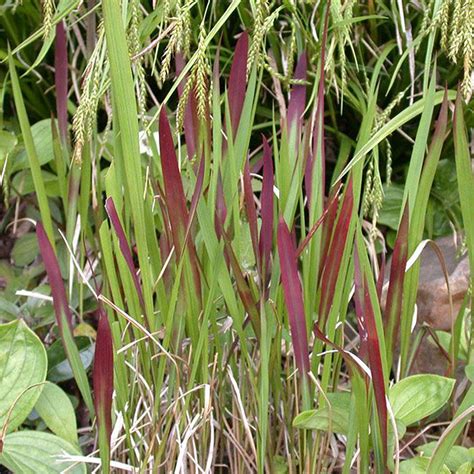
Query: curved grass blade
point(403, 117)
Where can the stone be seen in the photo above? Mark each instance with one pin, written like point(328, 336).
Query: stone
point(433, 300)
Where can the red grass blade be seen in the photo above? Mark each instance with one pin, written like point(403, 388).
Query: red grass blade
point(103, 383)
point(63, 315)
point(394, 304)
point(124, 247)
point(174, 192)
point(238, 81)
point(293, 297)
point(368, 328)
point(334, 257)
point(60, 78)
point(175, 198)
point(266, 231)
point(61, 307)
point(297, 101)
point(191, 122)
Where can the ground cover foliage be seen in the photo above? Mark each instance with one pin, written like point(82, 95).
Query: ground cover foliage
point(212, 220)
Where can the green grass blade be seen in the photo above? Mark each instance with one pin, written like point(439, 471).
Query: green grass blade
point(31, 152)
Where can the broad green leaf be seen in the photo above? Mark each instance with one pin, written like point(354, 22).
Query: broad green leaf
point(11, 279)
point(419, 396)
point(457, 456)
point(43, 142)
point(23, 363)
point(325, 419)
point(470, 372)
point(24, 183)
point(59, 368)
point(25, 250)
point(418, 465)
point(392, 203)
point(8, 311)
point(56, 410)
point(279, 465)
point(465, 468)
point(8, 142)
point(33, 452)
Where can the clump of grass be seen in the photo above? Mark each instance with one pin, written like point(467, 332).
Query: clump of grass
point(242, 321)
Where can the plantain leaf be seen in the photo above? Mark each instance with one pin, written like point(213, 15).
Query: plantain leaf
point(56, 410)
point(334, 419)
point(32, 452)
point(23, 363)
point(418, 465)
point(419, 396)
